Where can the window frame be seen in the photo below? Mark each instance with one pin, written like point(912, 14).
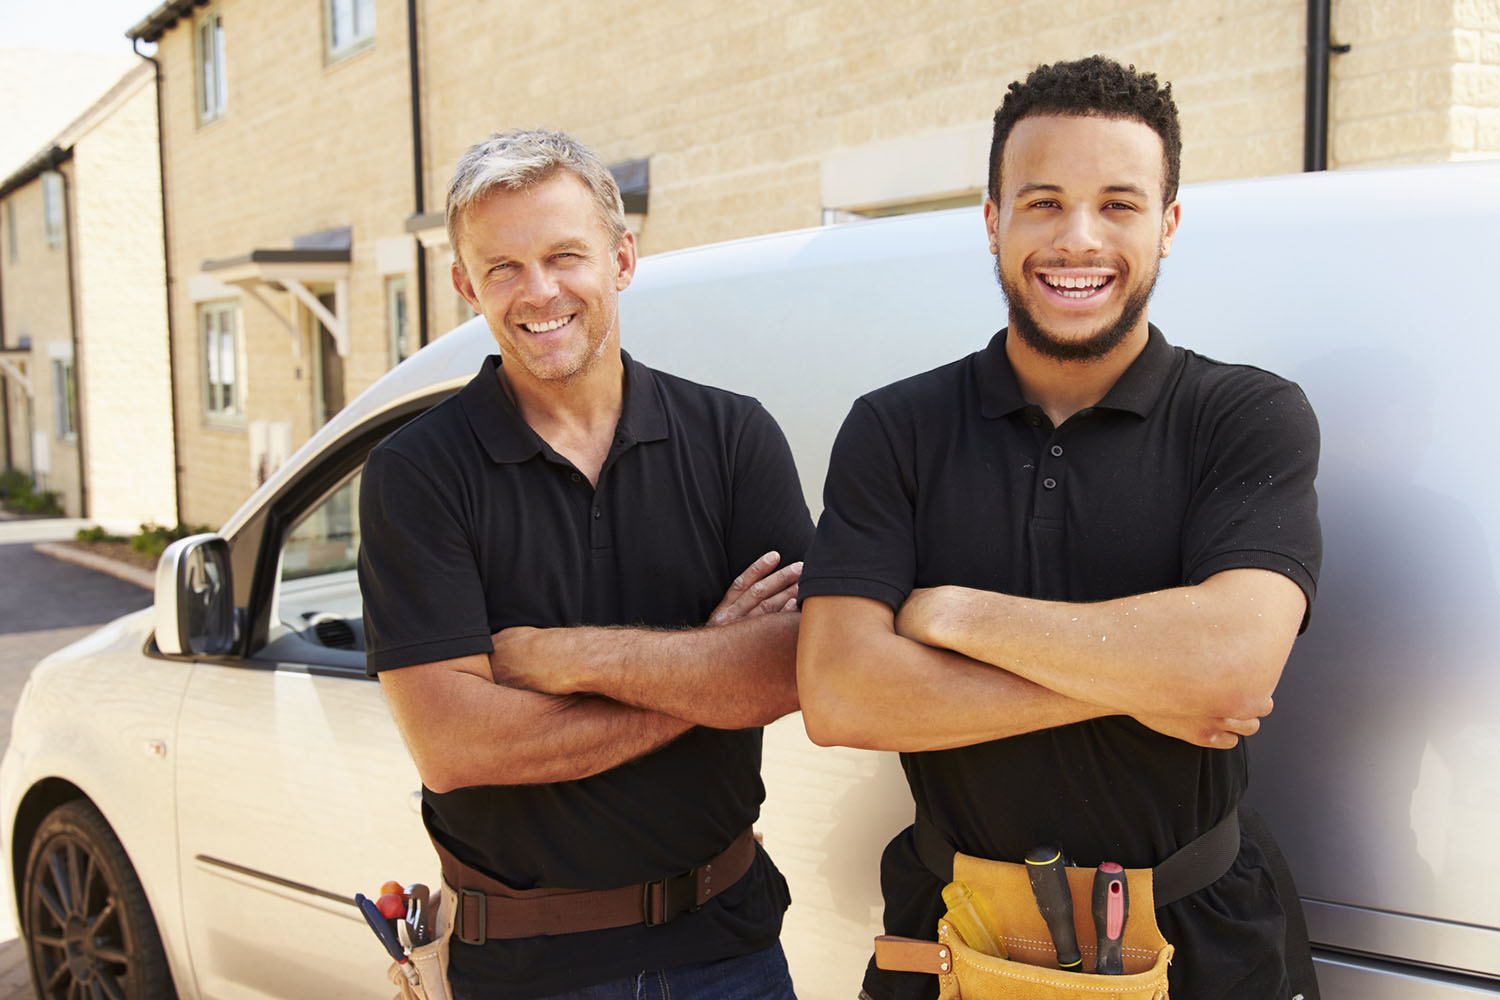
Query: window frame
point(212, 88)
point(64, 399)
point(53, 216)
point(361, 14)
point(218, 411)
point(398, 318)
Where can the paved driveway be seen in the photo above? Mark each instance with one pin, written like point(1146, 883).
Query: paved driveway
point(44, 605)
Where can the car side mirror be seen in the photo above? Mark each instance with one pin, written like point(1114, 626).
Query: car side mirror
point(195, 598)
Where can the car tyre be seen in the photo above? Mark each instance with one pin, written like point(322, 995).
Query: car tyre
point(89, 929)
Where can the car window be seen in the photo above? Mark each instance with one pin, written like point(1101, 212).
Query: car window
point(326, 539)
point(316, 611)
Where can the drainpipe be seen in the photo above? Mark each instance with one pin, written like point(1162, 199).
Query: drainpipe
point(79, 436)
point(166, 258)
point(1320, 48)
point(416, 159)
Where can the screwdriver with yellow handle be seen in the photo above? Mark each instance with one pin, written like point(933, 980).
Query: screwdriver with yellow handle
point(1049, 884)
point(970, 917)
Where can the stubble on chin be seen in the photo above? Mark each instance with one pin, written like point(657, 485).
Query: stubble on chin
point(563, 372)
point(1094, 347)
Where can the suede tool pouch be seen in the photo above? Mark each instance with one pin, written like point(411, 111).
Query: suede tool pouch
point(425, 976)
point(1029, 971)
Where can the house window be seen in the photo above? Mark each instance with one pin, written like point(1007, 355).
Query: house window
point(398, 319)
point(211, 78)
point(223, 391)
point(351, 25)
point(52, 207)
point(64, 398)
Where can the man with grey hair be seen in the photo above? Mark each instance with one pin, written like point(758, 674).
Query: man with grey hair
point(580, 580)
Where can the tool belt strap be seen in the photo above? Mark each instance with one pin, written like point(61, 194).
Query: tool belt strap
point(489, 909)
point(1196, 865)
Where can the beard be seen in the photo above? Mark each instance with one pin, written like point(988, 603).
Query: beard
point(1096, 345)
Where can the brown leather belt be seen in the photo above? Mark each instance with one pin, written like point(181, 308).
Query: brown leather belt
point(490, 910)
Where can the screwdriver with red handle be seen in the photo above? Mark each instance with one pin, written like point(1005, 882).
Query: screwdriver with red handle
point(1111, 904)
point(1049, 884)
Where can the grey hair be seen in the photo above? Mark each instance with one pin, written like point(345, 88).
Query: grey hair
point(517, 158)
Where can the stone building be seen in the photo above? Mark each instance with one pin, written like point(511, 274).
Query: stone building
point(86, 403)
point(307, 146)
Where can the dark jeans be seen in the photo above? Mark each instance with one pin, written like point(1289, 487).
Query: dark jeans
point(761, 975)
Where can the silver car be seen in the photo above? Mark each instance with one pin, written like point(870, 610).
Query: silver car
point(193, 794)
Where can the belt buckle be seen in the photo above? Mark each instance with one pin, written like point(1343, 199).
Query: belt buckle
point(461, 924)
point(668, 898)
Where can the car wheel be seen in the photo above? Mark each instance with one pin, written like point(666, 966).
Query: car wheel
point(89, 929)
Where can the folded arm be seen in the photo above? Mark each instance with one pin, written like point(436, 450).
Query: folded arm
point(463, 729)
point(863, 685)
point(738, 671)
point(1210, 651)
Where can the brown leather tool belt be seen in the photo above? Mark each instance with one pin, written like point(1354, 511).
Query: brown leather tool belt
point(489, 910)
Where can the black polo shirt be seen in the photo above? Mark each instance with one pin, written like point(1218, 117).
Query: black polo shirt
point(471, 523)
point(1187, 467)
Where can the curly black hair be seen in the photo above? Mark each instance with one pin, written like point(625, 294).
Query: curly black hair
point(1094, 86)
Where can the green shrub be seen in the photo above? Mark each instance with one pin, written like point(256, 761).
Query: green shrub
point(152, 539)
point(19, 493)
point(94, 533)
point(47, 502)
point(14, 482)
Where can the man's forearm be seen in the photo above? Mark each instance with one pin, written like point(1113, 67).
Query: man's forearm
point(463, 730)
point(864, 686)
point(728, 677)
point(1214, 650)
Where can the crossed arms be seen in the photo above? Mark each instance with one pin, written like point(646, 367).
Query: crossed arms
point(958, 666)
point(561, 704)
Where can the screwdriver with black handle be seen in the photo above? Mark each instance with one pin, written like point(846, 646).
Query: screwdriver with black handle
point(1049, 884)
point(1111, 905)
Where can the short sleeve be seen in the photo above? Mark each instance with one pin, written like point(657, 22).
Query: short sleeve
point(1255, 506)
point(417, 573)
point(865, 544)
point(769, 511)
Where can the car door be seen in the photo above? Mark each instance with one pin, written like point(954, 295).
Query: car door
point(295, 789)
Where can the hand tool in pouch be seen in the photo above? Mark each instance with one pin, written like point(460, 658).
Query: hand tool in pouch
point(1049, 884)
point(968, 914)
point(378, 923)
point(417, 917)
point(1111, 905)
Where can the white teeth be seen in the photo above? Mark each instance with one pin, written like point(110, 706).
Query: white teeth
point(547, 327)
point(1069, 281)
point(1075, 287)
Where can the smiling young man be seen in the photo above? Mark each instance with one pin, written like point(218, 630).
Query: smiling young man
point(574, 606)
point(1062, 575)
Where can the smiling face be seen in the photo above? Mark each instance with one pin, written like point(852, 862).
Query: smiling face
point(1078, 232)
point(541, 267)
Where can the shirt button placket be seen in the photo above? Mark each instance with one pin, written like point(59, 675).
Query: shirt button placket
point(1049, 501)
point(598, 533)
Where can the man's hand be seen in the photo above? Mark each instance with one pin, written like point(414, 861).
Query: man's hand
point(759, 591)
point(1217, 734)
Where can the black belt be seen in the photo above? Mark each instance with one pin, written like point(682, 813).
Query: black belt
point(1196, 865)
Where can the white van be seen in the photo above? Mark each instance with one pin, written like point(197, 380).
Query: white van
point(236, 798)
